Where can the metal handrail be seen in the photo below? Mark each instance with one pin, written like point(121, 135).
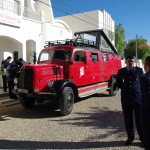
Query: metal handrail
point(19, 10)
point(28, 13)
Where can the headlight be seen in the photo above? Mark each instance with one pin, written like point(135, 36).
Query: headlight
point(16, 81)
point(36, 90)
point(50, 84)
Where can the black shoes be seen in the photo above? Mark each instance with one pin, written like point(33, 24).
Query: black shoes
point(129, 142)
point(141, 139)
point(142, 145)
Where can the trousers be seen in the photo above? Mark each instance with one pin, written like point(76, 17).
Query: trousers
point(4, 83)
point(128, 111)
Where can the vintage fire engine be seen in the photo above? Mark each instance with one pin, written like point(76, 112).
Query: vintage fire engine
point(71, 69)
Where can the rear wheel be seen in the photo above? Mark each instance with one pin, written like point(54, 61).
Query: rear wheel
point(113, 87)
point(27, 102)
point(66, 101)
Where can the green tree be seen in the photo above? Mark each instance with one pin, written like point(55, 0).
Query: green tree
point(120, 39)
point(143, 49)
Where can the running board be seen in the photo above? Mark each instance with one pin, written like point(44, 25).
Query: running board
point(92, 89)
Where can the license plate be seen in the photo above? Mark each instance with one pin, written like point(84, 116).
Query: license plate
point(22, 91)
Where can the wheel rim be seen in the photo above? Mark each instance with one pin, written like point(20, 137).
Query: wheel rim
point(70, 100)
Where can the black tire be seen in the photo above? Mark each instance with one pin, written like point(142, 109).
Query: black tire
point(27, 102)
point(113, 87)
point(66, 101)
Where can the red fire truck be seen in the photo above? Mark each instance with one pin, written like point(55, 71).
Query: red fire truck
point(67, 70)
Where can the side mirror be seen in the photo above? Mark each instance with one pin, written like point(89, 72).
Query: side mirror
point(71, 62)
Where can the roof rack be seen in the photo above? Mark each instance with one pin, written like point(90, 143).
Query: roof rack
point(74, 42)
point(52, 43)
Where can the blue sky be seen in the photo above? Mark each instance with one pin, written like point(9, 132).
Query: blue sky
point(134, 15)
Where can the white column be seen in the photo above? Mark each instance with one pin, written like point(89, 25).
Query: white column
point(24, 51)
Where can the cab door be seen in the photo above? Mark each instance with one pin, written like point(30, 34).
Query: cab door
point(96, 68)
point(78, 71)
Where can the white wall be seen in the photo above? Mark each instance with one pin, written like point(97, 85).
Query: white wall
point(45, 6)
point(29, 30)
point(82, 24)
point(89, 21)
point(14, 39)
point(55, 30)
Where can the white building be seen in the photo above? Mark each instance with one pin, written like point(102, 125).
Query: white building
point(90, 21)
point(25, 25)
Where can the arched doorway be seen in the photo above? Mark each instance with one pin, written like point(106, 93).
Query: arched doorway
point(9, 47)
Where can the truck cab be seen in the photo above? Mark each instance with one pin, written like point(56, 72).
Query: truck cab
point(67, 70)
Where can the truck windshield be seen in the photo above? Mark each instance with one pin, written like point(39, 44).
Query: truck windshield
point(55, 55)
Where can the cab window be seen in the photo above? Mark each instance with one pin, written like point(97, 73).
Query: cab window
point(55, 55)
point(79, 57)
point(94, 57)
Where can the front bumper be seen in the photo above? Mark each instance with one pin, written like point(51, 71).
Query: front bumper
point(39, 95)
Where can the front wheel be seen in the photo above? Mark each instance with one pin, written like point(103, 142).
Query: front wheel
point(113, 87)
point(66, 101)
point(27, 102)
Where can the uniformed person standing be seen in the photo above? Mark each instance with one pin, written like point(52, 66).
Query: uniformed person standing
point(145, 86)
point(128, 80)
point(11, 73)
point(5, 63)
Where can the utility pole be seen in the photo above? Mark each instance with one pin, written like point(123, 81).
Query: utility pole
point(136, 53)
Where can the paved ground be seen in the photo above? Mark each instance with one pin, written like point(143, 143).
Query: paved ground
point(95, 123)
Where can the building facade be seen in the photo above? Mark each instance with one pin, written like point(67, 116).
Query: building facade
point(25, 25)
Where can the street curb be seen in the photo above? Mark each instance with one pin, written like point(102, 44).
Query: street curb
point(10, 102)
point(4, 95)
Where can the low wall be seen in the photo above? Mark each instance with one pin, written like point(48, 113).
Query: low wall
point(139, 63)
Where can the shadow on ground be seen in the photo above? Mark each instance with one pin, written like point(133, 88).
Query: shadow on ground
point(59, 145)
point(43, 110)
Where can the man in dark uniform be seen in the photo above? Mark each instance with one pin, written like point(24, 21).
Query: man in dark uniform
point(128, 80)
point(12, 72)
point(145, 86)
point(5, 63)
